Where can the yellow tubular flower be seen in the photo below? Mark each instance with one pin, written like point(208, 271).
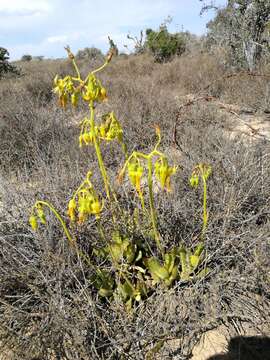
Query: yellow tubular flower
point(164, 172)
point(72, 204)
point(110, 129)
point(102, 131)
point(72, 214)
point(194, 180)
point(81, 218)
point(82, 209)
point(135, 173)
point(206, 170)
point(72, 209)
point(96, 208)
point(41, 215)
point(203, 170)
point(63, 100)
point(33, 222)
point(132, 173)
point(139, 175)
point(103, 94)
point(74, 99)
point(87, 138)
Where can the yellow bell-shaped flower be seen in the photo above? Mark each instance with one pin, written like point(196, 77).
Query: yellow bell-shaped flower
point(33, 222)
point(163, 173)
point(96, 208)
point(72, 205)
point(135, 173)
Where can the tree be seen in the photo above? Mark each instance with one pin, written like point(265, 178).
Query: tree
point(5, 66)
point(26, 57)
point(89, 53)
point(138, 42)
point(38, 58)
point(241, 25)
point(164, 45)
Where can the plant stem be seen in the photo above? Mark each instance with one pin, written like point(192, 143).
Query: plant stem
point(100, 68)
point(152, 205)
point(72, 241)
point(98, 152)
point(76, 69)
point(97, 70)
point(205, 215)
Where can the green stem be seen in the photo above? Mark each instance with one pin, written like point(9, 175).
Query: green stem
point(72, 241)
point(98, 152)
point(76, 68)
point(152, 205)
point(95, 71)
point(205, 215)
point(100, 68)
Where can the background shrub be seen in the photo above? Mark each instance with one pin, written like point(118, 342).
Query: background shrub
point(90, 53)
point(5, 66)
point(26, 57)
point(164, 45)
point(242, 26)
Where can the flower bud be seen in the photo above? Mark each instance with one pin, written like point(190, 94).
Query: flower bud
point(96, 208)
point(194, 180)
point(33, 222)
point(41, 215)
point(103, 93)
point(71, 214)
point(74, 99)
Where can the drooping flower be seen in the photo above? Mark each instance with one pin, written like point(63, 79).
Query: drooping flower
point(163, 173)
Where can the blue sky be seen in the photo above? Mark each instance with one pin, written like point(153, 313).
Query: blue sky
point(44, 27)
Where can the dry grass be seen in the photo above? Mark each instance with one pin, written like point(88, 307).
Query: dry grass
point(48, 308)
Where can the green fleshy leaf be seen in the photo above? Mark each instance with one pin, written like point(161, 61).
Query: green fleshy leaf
point(105, 292)
point(156, 270)
point(194, 261)
point(183, 260)
point(126, 290)
point(199, 249)
point(203, 273)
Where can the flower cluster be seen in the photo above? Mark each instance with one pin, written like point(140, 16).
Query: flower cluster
point(88, 204)
point(163, 172)
point(37, 215)
point(135, 169)
point(71, 89)
point(203, 170)
point(85, 202)
point(110, 129)
point(135, 173)
point(66, 90)
point(93, 90)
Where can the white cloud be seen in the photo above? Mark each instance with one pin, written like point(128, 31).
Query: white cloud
point(42, 27)
point(19, 15)
point(24, 7)
point(57, 39)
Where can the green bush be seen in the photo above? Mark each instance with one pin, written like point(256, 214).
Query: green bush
point(5, 66)
point(91, 53)
point(38, 58)
point(26, 57)
point(164, 45)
